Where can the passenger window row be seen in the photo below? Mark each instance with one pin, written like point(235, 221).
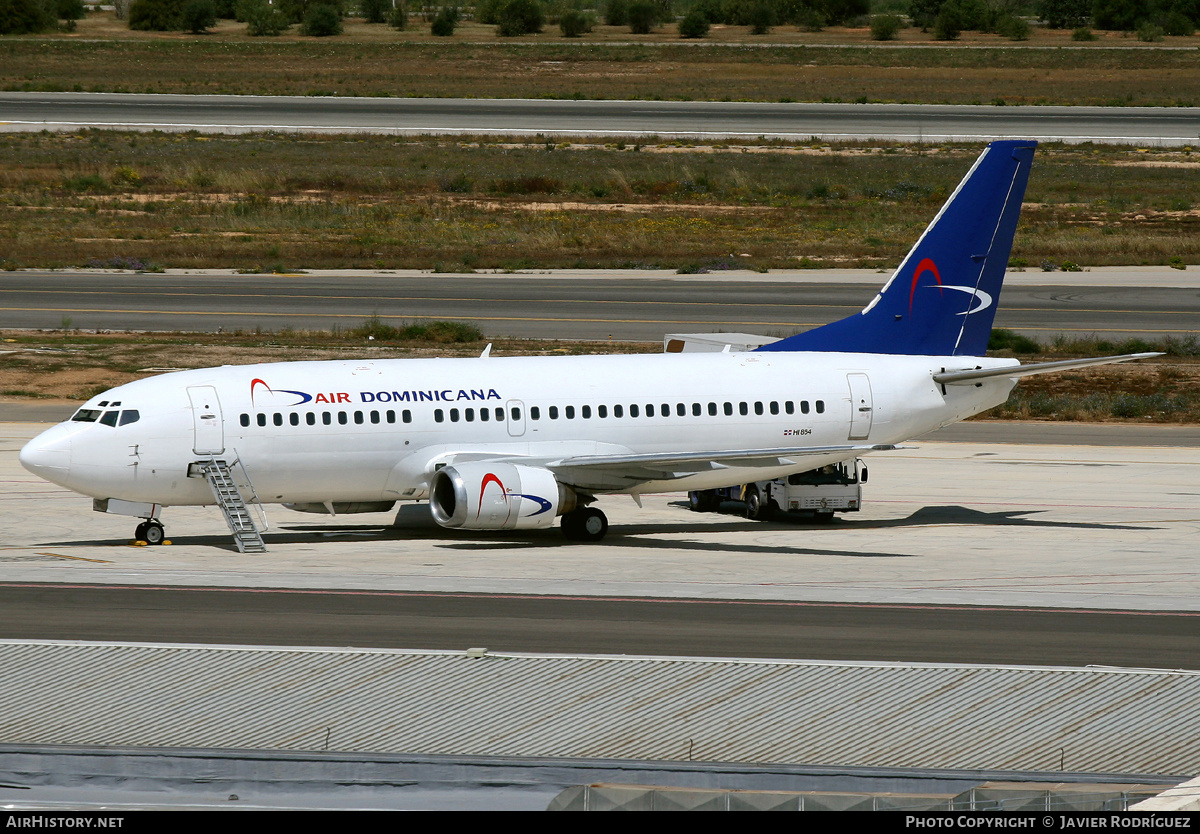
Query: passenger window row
point(553, 412)
point(327, 418)
point(569, 412)
point(468, 415)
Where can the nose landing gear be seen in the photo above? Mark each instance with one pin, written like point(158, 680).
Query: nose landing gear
point(151, 532)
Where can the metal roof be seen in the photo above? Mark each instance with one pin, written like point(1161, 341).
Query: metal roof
point(1093, 720)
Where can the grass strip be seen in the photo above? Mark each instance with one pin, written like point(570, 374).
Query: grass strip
point(270, 202)
point(837, 65)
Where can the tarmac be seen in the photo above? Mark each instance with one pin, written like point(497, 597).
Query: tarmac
point(1109, 527)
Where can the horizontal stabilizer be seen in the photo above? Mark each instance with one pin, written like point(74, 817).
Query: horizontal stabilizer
point(713, 342)
point(1015, 371)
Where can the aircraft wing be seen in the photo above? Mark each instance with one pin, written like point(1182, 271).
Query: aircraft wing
point(622, 471)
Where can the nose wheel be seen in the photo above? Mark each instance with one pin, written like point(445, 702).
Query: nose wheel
point(150, 532)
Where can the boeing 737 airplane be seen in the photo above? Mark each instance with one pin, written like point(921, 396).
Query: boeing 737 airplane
point(513, 443)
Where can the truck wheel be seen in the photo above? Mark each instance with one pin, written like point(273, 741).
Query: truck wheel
point(756, 507)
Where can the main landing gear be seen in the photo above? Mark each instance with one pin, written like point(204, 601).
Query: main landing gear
point(586, 524)
point(150, 532)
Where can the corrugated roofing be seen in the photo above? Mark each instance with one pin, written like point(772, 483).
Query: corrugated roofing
point(1094, 720)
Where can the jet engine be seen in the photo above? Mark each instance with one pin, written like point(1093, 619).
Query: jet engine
point(498, 496)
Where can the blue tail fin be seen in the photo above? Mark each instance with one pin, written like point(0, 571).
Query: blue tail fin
point(942, 299)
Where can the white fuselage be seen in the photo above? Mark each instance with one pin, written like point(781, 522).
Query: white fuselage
point(350, 431)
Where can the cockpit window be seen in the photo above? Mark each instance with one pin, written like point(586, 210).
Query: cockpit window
point(106, 418)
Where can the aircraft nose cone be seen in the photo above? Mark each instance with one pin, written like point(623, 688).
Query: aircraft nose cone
point(48, 455)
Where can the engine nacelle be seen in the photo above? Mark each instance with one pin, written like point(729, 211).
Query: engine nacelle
point(497, 496)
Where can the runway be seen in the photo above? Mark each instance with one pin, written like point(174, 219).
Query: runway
point(1161, 126)
point(621, 305)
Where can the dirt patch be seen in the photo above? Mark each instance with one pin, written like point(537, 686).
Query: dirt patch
point(1151, 163)
point(635, 208)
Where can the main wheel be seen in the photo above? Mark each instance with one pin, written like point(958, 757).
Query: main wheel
point(703, 501)
point(756, 505)
point(139, 532)
point(586, 524)
point(154, 533)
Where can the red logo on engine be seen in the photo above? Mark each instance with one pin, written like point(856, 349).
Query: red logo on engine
point(489, 478)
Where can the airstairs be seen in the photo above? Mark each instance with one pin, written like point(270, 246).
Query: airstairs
point(233, 506)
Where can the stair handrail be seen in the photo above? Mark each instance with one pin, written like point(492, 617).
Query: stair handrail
point(256, 501)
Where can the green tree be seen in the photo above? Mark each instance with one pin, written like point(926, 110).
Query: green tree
point(1187, 8)
point(321, 21)
point(23, 17)
point(762, 17)
point(1064, 14)
point(924, 12)
point(642, 17)
point(975, 15)
point(198, 16)
point(694, 25)
point(398, 16)
point(520, 17)
point(374, 11)
point(155, 15)
point(1119, 15)
point(713, 10)
point(1175, 23)
point(70, 9)
point(488, 11)
point(834, 12)
point(1012, 27)
point(885, 26)
point(261, 18)
point(947, 26)
point(574, 23)
point(446, 21)
point(297, 10)
point(616, 12)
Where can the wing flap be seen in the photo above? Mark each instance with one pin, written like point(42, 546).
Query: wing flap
point(607, 471)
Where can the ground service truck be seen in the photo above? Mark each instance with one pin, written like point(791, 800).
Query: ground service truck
point(818, 493)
